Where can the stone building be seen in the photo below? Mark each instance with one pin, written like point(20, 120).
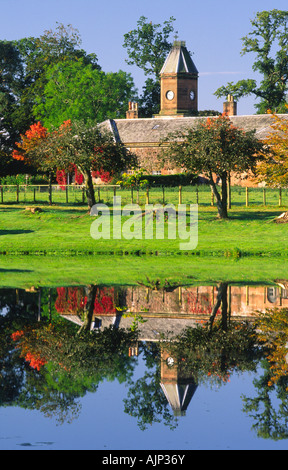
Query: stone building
point(179, 104)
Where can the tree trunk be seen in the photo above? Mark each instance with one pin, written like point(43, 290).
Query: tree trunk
point(220, 202)
point(221, 298)
point(89, 309)
point(50, 188)
point(90, 193)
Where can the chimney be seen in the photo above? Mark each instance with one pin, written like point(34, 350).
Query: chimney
point(230, 106)
point(132, 112)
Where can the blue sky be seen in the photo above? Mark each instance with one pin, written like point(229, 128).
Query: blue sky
point(212, 31)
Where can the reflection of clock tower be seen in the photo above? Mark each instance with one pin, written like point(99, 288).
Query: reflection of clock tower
point(179, 83)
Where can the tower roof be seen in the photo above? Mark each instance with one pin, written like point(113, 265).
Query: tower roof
point(179, 60)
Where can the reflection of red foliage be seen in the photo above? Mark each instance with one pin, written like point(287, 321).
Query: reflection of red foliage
point(104, 302)
point(70, 299)
point(17, 335)
point(74, 299)
point(200, 306)
point(34, 361)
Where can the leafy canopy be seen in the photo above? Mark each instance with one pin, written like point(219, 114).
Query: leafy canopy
point(274, 168)
point(268, 41)
point(215, 145)
point(80, 92)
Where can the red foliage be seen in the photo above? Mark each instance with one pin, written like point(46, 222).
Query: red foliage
point(73, 299)
point(36, 362)
point(105, 176)
point(61, 176)
point(17, 335)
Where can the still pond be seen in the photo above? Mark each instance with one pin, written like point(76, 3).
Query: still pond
point(153, 367)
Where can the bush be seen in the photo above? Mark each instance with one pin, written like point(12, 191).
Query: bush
point(179, 179)
point(13, 179)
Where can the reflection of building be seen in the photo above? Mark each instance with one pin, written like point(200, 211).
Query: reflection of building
point(179, 308)
point(168, 313)
point(178, 390)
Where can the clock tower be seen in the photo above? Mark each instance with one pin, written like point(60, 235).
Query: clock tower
point(179, 83)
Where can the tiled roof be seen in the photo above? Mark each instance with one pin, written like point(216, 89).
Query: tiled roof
point(153, 130)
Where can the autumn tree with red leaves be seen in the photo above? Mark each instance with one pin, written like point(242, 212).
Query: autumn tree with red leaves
point(79, 144)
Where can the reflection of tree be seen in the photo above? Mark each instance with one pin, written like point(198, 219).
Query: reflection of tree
point(50, 364)
point(272, 387)
point(61, 365)
point(269, 422)
point(146, 402)
point(212, 351)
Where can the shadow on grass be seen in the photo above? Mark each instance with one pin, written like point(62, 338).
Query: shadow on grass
point(15, 232)
point(255, 215)
point(3, 270)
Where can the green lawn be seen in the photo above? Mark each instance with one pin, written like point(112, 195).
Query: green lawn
point(52, 271)
point(66, 230)
point(54, 247)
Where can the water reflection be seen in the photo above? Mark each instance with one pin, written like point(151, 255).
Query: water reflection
point(58, 344)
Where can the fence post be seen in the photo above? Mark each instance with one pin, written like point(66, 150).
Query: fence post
point(280, 196)
point(197, 195)
point(247, 196)
point(147, 196)
point(131, 195)
point(180, 194)
point(137, 194)
point(83, 195)
point(34, 195)
point(50, 193)
point(264, 196)
point(2, 194)
point(212, 197)
point(163, 195)
point(17, 193)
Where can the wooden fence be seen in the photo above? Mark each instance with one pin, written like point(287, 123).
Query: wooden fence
point(202, 195)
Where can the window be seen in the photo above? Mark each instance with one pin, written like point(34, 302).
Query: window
point(156, 172)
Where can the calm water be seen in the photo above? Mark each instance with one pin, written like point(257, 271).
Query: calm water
point(99, 368)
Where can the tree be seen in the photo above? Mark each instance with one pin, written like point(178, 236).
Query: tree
point(274, 167)
point(51, 47)
point(268, 40)
point(23, 66)
point(77, 91)
point(75, 143)
point(148, 46)
point(215, 147)
point(11, 86)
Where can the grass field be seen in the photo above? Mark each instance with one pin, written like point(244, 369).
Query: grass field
point(51, 271)
point(54, 247)
point(66, 230)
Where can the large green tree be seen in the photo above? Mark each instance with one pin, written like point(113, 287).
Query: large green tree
point(268, 40)
point(23, 73)
point(147, 47)
point(215, 148)
point(77, 91)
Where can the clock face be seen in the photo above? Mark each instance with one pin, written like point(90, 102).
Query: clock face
point(170, 95)
point(192, 95)
point(170, 361)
